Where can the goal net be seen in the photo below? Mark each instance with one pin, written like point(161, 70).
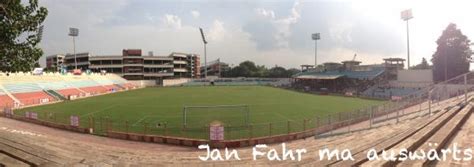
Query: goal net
point(198, 116)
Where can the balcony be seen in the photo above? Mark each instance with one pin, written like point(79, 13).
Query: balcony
point(179, 62)
point(133, 65)
point(180, 70)
point(158, 65)
point(158, 74)
point(105, 66)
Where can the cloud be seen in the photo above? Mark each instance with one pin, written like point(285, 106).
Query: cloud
point(265, 13)
point(171, 21)
point(283, 25)
point(270, 32)
point(195, 14)
point(267, 33)
point(217, 31)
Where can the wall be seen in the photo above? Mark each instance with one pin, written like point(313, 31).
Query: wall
point(175, 82)
point(143, 83)
point(415, 76)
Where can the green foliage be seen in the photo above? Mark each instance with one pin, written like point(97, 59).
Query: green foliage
point(249, 69)
point(452, 55)
point(423, 65)
point(19, 37)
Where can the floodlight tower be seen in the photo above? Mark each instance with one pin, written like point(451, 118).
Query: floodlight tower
point(315, 37)
point(407, 15)
point(205, 54)
point(74, 32)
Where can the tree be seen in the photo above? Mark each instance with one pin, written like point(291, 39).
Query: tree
point(277, 72)
point(19, 34)
point(452, 55)
point(292, 71)
point(249, 69)
point(423, 65)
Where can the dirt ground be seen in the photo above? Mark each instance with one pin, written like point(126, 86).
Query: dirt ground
point(69, 148)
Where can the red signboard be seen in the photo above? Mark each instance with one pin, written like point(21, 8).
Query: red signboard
point(74, 121)
point(8, 112)
point(216, 133)
point(33, 115)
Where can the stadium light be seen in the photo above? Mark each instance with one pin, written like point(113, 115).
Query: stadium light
point(407, 15)
point(74, 32)
point(315, 37)
point(205, 54)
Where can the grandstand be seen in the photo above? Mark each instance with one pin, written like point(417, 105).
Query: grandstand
point(382, 81)
point(26, 89)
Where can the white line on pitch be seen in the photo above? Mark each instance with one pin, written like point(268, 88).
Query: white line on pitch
point(106, 108)
point(140, 120)
point(282, 116)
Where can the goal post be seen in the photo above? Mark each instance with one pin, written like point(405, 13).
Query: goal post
point(198, 116)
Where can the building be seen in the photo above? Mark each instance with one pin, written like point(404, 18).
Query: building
point(347, 76)
point(81, 58)
point(54, 62)
point(185, 65)
point(133, 65)
point(214, 68)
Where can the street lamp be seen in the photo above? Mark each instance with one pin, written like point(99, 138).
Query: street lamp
point(407, 15)
point(315, 37)
point(74, 32)
point(205, 54)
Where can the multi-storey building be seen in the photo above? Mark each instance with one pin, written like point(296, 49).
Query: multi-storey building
point(81, 59)
point(185, 65)
point(54, 62)
point(214, 68)
point(133, 65)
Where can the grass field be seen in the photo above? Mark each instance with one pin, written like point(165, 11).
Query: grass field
point(159, 110)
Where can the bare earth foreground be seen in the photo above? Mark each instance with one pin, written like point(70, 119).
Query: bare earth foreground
point(58, 148)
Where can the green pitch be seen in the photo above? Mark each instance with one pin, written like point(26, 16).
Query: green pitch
point(160, 110)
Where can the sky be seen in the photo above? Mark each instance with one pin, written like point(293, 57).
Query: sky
point(268, 32)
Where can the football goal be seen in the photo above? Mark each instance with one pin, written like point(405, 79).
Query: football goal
point(198, 116)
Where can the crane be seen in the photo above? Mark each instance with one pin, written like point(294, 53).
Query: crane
point(354, 58)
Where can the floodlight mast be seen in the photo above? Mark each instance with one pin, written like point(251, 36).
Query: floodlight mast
point(74, 32)
point(315, 37)
point(205, 54)
point(407, 15)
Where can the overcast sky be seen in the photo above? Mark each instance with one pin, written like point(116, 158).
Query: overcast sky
point(264, 31)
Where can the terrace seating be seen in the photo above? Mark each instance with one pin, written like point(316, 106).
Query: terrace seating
point(22, 87)
point(386, 91)
point(30, 89)
point(5, 100)
point(32, 98)
point(70, 92)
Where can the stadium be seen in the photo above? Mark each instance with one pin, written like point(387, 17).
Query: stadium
point(245, 111)
point(179, 109)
